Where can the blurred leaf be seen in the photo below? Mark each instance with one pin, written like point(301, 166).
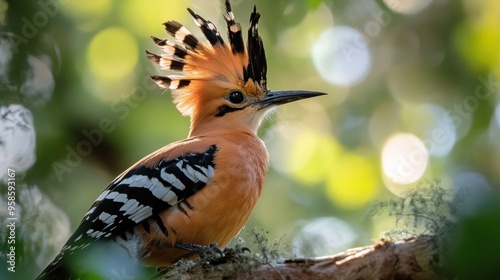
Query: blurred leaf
point(313, 4)
point(474, 252)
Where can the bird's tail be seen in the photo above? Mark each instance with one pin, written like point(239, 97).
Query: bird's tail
point(56, 270)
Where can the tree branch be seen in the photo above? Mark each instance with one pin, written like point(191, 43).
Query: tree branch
point(415, 258)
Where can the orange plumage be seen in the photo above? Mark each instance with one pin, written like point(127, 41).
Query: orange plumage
point(220, 210)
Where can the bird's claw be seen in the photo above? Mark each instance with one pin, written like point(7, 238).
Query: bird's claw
point(202, 250)
point(213, 248)
point(243, 249)
point(237, 250)
point(212, 253)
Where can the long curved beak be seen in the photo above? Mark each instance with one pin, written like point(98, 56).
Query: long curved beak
point(281, 97)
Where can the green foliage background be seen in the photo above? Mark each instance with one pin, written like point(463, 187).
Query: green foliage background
point(94, 80)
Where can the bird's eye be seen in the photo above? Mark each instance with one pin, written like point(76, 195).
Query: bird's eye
point(236, 97)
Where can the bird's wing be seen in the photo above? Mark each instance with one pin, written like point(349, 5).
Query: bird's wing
point(138, 194)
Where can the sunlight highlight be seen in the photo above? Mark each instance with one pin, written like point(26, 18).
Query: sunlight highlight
point(404, 159)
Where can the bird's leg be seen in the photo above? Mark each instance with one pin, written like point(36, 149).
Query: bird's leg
point(212, 253)
point(202, 250)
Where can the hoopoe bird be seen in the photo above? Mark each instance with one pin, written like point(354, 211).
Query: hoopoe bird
point(201, 190)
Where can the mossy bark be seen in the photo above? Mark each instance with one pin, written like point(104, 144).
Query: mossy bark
point(414, 258)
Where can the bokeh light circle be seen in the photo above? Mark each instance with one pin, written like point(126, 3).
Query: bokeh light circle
point(407, 6)
point(471, 188)
point(353, 182)
point(341, 56)
point(323, 236)
point(112, 54)
point(17, 135)
point(441, 134)
point(404, 158)
point(497, 114)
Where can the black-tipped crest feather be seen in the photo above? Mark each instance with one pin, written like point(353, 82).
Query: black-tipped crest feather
point(179, 32)
point(200, 62)
point(208, 29)
point(234, 31)
point(257, 64)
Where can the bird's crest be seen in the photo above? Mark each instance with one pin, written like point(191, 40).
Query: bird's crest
point(208, 68)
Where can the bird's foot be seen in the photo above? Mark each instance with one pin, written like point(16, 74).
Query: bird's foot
point(213, 253)
point(205, 252)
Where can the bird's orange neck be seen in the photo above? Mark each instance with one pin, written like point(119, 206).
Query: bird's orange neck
point(210, 126)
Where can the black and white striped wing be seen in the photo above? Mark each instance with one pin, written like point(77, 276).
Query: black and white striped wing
point(140, 194)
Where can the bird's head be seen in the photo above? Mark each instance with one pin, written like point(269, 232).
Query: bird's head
point(215, 82)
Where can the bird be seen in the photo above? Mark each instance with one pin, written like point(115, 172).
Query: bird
point(198, 192)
